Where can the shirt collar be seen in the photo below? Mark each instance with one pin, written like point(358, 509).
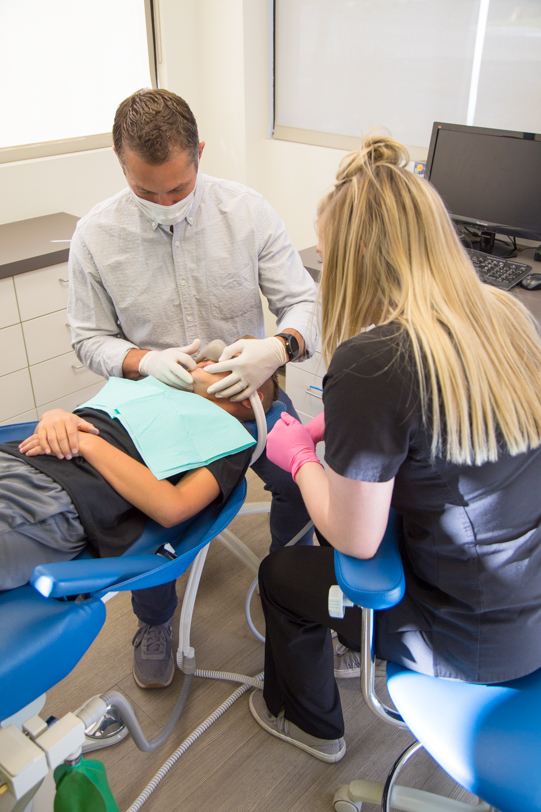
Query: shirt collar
point(197, 198)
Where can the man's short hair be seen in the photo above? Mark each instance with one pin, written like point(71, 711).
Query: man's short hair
point(155, 124)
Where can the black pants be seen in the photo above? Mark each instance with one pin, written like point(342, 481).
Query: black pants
point(299, 672)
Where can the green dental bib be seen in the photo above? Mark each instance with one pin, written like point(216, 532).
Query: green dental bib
point(174, 431)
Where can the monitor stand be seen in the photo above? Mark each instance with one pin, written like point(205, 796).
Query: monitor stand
point(498, 250)
point(487, 244)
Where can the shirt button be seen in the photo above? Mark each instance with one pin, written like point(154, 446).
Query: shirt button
point(189, 318)
point(177, 243)
point(182, 282)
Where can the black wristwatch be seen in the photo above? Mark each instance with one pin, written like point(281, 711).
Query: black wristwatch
point(292, 345)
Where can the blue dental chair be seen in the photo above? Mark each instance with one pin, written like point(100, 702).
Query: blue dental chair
point(486, 737)
point(43, 635)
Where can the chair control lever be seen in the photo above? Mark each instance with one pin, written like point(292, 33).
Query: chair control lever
point(338, 602)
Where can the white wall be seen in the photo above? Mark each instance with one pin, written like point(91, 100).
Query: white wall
point(72, 183)
point(216, 55)
point(232, 105)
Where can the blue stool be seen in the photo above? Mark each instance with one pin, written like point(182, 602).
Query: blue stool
point(486, 737)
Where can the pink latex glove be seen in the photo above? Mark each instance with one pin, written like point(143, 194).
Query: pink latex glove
point(289, 445)
point(316, 428)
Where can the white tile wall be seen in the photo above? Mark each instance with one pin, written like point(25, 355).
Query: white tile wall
point(9, 312)
point(38, 369)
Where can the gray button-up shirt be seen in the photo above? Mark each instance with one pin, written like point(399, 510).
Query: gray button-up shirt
point(136, 284)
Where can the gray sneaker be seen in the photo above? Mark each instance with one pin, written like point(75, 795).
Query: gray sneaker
point(347, 663)
point(153, 662)
point(329, 750)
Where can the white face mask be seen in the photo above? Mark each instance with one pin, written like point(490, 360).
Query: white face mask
point(165, 215)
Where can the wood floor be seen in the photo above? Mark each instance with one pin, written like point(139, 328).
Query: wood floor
point(235, 766)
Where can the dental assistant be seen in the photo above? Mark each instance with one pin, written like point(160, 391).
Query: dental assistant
point(431, 406)
point(179, 257)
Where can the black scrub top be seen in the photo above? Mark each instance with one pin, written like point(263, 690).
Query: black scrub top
point(472, 534)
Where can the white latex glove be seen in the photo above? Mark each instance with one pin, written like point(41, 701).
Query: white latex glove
point(170, 366)
point(212, 351)
point(257, 360)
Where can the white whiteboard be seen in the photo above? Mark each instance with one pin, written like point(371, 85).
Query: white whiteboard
point(345, 66)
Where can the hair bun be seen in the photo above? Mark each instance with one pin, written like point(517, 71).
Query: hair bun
point(376, 150)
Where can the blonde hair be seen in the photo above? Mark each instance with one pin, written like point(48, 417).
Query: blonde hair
point(391, 255)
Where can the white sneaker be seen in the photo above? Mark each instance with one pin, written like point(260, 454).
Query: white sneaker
point(329, 750)
point(347, 663)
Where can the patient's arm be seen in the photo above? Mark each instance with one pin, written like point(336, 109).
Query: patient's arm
point(57, 432)
point(167, 504)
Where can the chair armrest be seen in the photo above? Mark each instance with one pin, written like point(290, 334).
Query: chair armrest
point(79, 577)
point(378, 582)
point(141, 570)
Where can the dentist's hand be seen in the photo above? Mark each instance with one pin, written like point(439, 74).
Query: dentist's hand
point(171, 366)
point(211, 351)
point(289, 445)
point(256, 360)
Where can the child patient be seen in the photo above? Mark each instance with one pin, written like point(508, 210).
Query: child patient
point(79, 481)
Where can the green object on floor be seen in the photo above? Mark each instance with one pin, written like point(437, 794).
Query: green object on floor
point(83, 787)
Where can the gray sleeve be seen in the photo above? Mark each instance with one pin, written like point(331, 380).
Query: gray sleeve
point(283, 279)
point(95, 333)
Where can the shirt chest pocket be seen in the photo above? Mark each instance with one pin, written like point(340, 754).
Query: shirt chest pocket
point(233, 293)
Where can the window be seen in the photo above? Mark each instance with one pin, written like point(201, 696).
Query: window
point(65, 67)
point(345, 66)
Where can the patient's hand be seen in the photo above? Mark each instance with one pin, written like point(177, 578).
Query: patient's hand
point(56, 434)
point(32, 446)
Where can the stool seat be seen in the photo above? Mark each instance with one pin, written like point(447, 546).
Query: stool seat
point(485, 736)
point(41, 642)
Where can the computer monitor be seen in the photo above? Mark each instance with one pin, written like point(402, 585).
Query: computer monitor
point(489, 179)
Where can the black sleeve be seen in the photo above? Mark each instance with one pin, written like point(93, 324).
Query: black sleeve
point(371, 405)
point(229, 471)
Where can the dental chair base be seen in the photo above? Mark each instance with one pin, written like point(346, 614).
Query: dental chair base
point(350, 798)
point(486, 737)
point(31, 746)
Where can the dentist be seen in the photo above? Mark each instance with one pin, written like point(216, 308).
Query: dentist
point(177, 258)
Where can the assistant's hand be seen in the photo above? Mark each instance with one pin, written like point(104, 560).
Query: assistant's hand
point(171, 366)
point(56, 434)
point(256, 360)
point(289, 445)
point(316, 428)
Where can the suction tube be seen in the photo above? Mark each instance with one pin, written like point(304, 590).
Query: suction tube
point(120, 702)
point(261, 423)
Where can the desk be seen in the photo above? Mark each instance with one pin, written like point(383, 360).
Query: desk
point(530, 298)
point(304, 381)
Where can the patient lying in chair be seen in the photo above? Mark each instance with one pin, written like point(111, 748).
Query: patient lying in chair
point(54, 504)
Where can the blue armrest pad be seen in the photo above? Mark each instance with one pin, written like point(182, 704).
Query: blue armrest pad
point(140, 570)
point(378, 582)
point(79, 577)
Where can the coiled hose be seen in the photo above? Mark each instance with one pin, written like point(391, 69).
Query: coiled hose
point(174, 757)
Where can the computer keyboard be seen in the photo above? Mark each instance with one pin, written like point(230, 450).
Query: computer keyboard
point(502, 273)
